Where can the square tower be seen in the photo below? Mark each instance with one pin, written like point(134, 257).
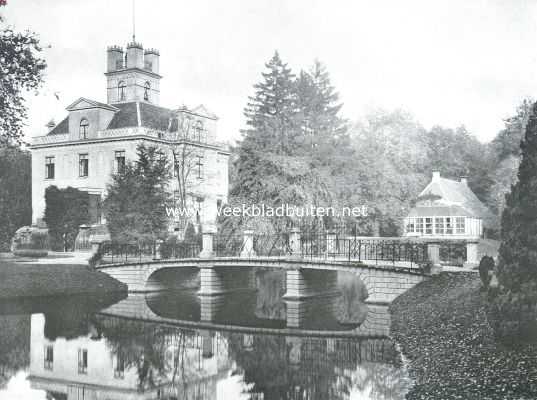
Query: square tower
point(132, 76)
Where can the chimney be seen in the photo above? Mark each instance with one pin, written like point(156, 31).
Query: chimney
point(464, 179)
point(436, 175)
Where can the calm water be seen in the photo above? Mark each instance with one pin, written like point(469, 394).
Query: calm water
point(175, 345)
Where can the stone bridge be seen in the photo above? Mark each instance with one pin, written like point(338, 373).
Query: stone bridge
point(138, 307)
point(304, 278)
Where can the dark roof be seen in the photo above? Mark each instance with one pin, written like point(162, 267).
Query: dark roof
point(125, 117)
point(151, 116)
point(62, 127)
point(156, 117)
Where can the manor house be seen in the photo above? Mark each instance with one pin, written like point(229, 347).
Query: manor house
point(97, 139)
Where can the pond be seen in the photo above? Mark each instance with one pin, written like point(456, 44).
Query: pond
point(174, 344)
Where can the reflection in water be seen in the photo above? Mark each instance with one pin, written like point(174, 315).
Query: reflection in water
point(172, 346)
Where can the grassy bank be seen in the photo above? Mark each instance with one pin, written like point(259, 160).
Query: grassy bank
point(24, 280)
point(442, 328)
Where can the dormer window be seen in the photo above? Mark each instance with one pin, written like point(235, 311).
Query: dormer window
point(147, 88)
point(84, 128)
point(121, 89)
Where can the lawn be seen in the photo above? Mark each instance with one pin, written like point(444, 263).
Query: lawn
point(441, 326)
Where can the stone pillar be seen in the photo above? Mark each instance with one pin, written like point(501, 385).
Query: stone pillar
point(294, 242)
point(294, 344)
point(471, 254)
point(248, 244)
point(211, 282)
point(210, 307)
point(331, 243)
point(158, 254)
point(303, 283)
point(208, 233)
point(207, 344)
point(433, 253)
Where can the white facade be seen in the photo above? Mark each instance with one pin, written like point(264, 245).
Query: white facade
point(96, 138)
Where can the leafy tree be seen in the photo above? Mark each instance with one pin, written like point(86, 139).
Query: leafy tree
point(137, 196)
point(456, 152)
point(505, 156)
point(389, 169)
point(517, 264)
point(15, 193)
point(21, 70)
point(65, 210)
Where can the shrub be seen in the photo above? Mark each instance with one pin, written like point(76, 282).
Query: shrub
point(30, 253)
point(486, 265)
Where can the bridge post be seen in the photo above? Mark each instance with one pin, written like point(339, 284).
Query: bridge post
point(248, 244)
point(331, 243)
point(207, 250)
point(294, 242)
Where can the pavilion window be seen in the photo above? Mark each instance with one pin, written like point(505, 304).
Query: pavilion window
point(460, 227)
point(49, 167)
point(428, 226)
point(439, 225)
point(410, 224)
point(419, 225)
point(449, 226)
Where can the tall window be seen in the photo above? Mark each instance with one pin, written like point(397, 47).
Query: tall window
point(82, 361)
point(459, 226)
point(49, 357)
point(410, 225)
point(49, 167)
point(199, 167)
point(199, 132)
point(84, 128)
point(419, 225)
point(121, 89)
point(83, 165)
point(449, 226)
point(428, 226)
point(119, 370)
point(147, 88)
point(120, 161)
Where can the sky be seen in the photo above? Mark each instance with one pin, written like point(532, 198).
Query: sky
point(449, 63)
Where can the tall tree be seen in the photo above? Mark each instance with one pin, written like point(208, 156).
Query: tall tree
point(270, 113)
point(505, 156)
point(269, 140)
point(517, 266)
point(137, 197)
point(21, 70)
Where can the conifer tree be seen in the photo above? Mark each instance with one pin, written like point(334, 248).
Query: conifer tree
point(517, 266)
point(137, 196)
